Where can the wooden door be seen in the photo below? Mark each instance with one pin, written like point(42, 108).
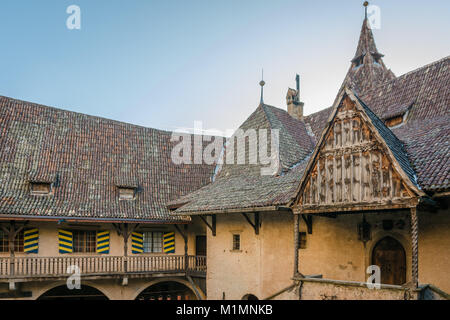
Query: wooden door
point(390, 256)
point(200, 246)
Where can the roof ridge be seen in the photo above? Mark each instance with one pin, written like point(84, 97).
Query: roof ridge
point(406, 74)
point(35, 104)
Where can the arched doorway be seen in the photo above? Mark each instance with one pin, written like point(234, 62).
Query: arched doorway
point(390, 256)
point(250, 297)
point(64, 293)
point(169, 290)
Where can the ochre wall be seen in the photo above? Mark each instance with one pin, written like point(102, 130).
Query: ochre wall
point(334, 251)
point(263, 265)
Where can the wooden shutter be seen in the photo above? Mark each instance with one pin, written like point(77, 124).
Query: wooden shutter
point(65, 241)
point(31, 241)
point(103, 242)
point(169, 242)
point(137, 242)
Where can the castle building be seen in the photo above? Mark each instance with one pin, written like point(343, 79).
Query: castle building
point(357, 191)
point(360, 184)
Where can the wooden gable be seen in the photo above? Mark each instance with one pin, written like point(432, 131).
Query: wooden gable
point(352, 168)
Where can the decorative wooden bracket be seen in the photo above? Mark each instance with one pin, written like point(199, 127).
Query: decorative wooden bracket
point(181, 232)
point(308, 220)
point(211, 227)
point(255, 225)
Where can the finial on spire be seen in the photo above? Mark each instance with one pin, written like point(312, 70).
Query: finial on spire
point(262, 83)
point(366, 4)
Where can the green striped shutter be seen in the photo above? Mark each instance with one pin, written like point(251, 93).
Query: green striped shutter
point(137, 242)
point(31, 241)
point(169, 242)
point(65, 239)
point(103, 242)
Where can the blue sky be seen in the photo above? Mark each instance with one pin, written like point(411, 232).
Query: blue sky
point(167, 63)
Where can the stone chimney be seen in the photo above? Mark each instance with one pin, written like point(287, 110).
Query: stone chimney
point(295, 107)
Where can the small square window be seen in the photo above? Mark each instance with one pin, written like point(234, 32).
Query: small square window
point(236, 242)
point(40, 188)
point(127, 193)
point(302, 240)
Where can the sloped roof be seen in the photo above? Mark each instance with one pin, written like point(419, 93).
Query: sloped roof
point(392, 142)
point(86, 158)
point(242, 192)
point(242, 185)
point(295, 143)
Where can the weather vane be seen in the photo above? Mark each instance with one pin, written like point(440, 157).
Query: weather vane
point(366, 4)
point(262, 83)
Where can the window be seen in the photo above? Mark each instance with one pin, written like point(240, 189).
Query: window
point(4, 242)
point(84, 241)
point(40, 188)
point(127, 193)
point(395, 121)
point(153, 242)
point(236, 242)
point(302, 240)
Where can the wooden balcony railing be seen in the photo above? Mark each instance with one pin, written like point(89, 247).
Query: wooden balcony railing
point(26, 267)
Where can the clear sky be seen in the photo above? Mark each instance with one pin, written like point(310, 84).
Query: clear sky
point(167, 63)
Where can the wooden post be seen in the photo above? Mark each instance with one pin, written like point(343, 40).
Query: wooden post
point(186, 257)
point(296, 242)
point(415, 247)
point(12, 233)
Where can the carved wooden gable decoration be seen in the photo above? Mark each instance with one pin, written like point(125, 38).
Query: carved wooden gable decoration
point(353, 168)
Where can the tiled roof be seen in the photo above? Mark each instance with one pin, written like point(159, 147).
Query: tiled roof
point(245, 191)
point(243, 186)
point(393, 143)
point(295, 143)
point(86, 158)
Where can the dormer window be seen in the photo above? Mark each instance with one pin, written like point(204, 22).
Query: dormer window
point(358, 61)
point(394, 121)
point(40, 188)
point(127, 193)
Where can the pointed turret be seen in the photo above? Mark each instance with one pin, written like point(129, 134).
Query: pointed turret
point(367, 69)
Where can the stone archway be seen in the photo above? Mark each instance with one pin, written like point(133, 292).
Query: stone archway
point(167, 290)
point(62, 292)
point(389, 254)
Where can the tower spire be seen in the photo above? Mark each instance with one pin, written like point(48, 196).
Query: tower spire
point(262, 83)
point(367, 67)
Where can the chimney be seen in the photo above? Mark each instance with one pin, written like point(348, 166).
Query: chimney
point(295, 107)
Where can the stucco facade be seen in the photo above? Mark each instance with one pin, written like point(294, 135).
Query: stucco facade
point(261, 267)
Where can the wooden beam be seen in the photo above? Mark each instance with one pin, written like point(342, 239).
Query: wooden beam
point(211, 227)
point(308, 220)
point(181, 232)
point(254, 225)
point(296, 242)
